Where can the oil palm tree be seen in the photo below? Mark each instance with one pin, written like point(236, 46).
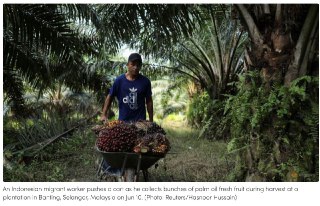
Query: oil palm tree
point(214, 56)
point(44, 44)
point(284, 46)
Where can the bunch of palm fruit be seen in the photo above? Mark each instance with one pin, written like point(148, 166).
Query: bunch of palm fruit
point(140, 137)
point(119, 138)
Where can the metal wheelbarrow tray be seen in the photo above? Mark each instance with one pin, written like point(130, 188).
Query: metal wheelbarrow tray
point(130, 160)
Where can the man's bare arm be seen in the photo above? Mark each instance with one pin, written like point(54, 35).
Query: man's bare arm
point(106, 107)
point(149, 103)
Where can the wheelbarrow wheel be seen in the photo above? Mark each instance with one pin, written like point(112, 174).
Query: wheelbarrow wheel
point(145, 175)
point(102, 175)
point(130, 175)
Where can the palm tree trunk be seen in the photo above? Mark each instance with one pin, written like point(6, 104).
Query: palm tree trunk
point(301, 46)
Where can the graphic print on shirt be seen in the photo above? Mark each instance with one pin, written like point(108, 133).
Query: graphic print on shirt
point(131, 100)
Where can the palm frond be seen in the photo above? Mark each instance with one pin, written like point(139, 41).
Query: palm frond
point(215, 53)
point(149, 27)
point(43, 44)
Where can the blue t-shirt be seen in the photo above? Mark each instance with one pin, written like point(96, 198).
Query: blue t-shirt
point(131, 97)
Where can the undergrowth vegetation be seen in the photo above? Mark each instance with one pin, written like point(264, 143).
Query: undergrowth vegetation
point(272, 129)
point(275, 130)
point(69, 159)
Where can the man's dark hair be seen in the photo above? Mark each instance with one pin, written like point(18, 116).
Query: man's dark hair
point(135, 57)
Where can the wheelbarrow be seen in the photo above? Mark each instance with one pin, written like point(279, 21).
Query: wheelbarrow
point(129, 161)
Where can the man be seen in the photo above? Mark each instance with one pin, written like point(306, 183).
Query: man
point(133, 92)
point(134, 95)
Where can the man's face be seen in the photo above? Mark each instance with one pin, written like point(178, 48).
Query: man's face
point(134, 67)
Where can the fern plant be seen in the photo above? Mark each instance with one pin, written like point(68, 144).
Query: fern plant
point(274, 131)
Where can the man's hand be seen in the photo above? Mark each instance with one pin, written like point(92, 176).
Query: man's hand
point(104, 119)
